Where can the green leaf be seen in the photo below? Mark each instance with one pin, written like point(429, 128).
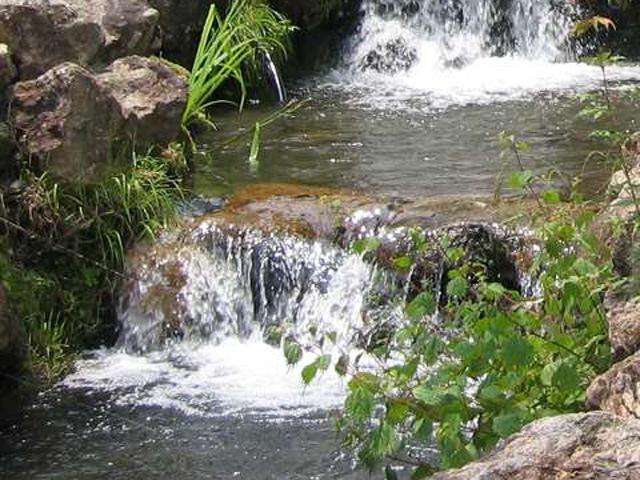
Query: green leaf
point(517, 352)
point(309, 373)
point(323, 361)
point(506, 424)
point(292, 351)
point(402, 263)
point(366, 245)
point(457, 287)
point(423, 305)
point(551, 197)
point(520, 180)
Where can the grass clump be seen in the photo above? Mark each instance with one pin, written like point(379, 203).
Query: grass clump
point(230, 49)
point(66, 247)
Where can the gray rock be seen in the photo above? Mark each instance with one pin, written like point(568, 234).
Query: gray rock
point(73, 120)
point(623, 317)
point(45, 33)
point(618, 390)
point(593, 446)
point(68, 119)
point(151, 97)
point(13, 340)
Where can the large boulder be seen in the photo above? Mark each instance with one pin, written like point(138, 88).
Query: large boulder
point(73, 119)
point(45, 33)
point(13, 340)
point(593, 446)
point(618, 390)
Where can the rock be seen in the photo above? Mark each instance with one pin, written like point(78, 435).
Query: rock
point(311, 14)
point(73, 119)
point(151, 97)
point(181, 23)
point(13, 340)
point(66, 117)
point(391, 57)
point(617, 390)
point(593, 446)
point(623, 317)
point(43, 34)
point(8, 71)
point(8, 165)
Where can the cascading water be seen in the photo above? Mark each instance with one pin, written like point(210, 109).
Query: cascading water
point(193, 322)
point(452, 52)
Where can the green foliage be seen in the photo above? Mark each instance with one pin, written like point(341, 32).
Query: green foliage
point(68, 244)
point(491, 361)
point(230, 49)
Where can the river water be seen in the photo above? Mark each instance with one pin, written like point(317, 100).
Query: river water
point(413, 109)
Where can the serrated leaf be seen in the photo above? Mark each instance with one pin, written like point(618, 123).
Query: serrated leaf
point(457, 287)
point(423, 305)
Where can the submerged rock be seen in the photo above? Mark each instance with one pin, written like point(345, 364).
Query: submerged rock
point(589, 446)
point(74, 120)
point(617, 390)
point(13, 340)
point(44, 34)
point(391, 57)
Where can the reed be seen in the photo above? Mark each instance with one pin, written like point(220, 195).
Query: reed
point(229, 50)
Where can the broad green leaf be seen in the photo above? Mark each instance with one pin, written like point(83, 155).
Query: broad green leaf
point(520, 180)
point(506, 424)
point(402, 263)
point(309, 373)
point(517, 352)
point(423, 305)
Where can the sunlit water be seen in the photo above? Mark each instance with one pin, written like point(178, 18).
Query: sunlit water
point(228, 406)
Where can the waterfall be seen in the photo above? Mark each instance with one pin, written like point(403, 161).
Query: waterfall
point(402, 34)
point(429, 55)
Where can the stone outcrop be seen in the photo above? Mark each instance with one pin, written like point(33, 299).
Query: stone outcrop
point(43, 34)
point(590, 446)
point(73, 119)
point(623, 317)
point(13, 341)
point(618, 390)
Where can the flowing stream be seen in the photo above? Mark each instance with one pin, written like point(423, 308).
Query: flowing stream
point(192, 389)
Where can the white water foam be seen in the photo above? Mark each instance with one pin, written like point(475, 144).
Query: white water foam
point(235, 377)
point(457, 57)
